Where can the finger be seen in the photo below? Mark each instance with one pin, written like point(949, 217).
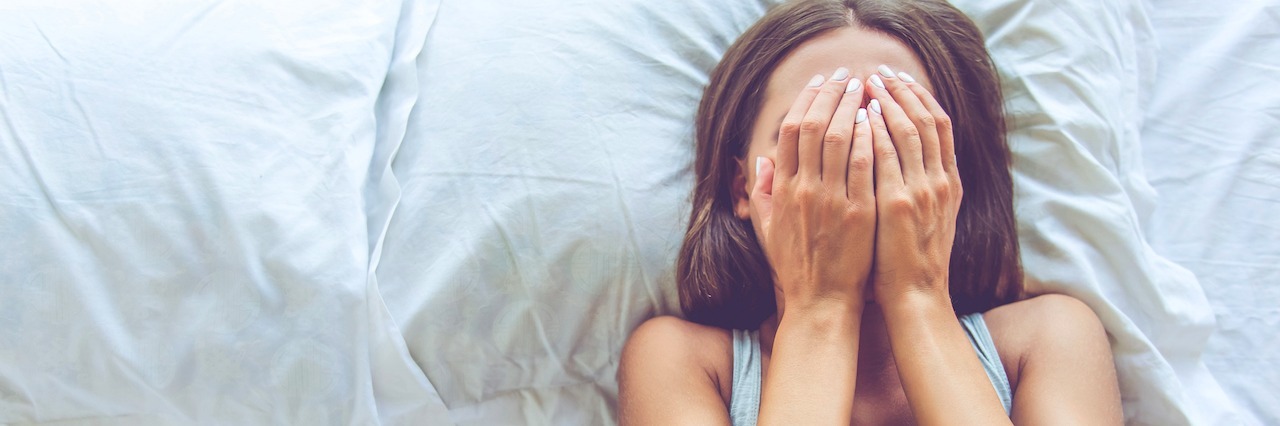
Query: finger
point(861, 160)
point(814, 125)
point(789, 131)
point(908, 98)
point(762, 192)
point(835, 145)
point(946, 141)
point(888, 172)
point(906, 137)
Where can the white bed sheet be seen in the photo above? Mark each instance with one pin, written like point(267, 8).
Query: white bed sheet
point(1211, 142)
point(190, 208)
point(545, 179)
point(193, 197)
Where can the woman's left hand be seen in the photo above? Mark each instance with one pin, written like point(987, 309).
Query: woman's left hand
point(918, 189)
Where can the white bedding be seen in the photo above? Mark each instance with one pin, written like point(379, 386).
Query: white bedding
point(187, 206)
point(1211, 142)
point(343, 212)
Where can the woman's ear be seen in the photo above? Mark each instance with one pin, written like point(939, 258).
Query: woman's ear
point(741, 191)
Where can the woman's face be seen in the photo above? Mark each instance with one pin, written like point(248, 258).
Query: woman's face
point(857, 49)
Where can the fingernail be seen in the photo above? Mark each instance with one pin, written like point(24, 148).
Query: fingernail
point(885, 71)
point(874, 106)
point(817, 80)
point(875, 81)
point(840, 74)
point(906, 77)
point(759, 162)
point(853, 86)
point(862, 116)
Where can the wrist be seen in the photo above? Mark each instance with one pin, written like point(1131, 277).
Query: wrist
point(914, 303)
point(823, 311)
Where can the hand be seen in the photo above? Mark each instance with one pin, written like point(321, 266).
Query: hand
point(816, 211)
point(918, 189)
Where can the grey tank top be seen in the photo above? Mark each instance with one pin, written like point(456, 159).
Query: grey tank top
point(744, 400)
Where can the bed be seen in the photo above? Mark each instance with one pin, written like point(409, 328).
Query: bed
point(453, 213)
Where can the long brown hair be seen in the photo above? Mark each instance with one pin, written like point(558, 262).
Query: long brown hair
point(723, 276)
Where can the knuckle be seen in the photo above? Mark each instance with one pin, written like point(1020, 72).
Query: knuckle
point(789, 128)
point(858, 211)
point(940, 182)
point(942, 191)
point(887, 154)
point(910, 131)
point(943, 122)
point(921, 193)
point(859, 164)
point(928, 121)
point(806, 192)
point(835, 137)
point(899, 204)
point(941, 185)
point(812, 125)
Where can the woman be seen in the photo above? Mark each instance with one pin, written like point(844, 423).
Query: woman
point(825, 214)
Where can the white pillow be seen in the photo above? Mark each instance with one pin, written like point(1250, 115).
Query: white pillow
point(547, 170)
point(1076, 75)
point(546, 177)
point(186, 195)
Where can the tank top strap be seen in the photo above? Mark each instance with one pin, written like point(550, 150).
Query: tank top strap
point(975, 327)
point(744, 400)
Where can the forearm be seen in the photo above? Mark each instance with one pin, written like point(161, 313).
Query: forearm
point(943, 379)
point(813, 367)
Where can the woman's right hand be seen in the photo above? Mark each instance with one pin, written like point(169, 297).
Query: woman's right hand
point(817, 207)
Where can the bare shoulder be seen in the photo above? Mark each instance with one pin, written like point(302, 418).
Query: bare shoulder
point(675, 352)
point(1049, 312)
point(674, 339)
point(1047, 324)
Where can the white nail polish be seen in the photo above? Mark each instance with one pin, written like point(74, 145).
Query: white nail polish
point(858, 119)
point(906, 77)
point(840, 74)
point(875, 81)
point(874, 106)
point(885, 71)
point(759, 161)
point(853, 86)
point(817, 80)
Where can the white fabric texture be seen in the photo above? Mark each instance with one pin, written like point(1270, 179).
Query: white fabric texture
point(1211, 142)
point(194, 197)
point(545, 175)
point(189, 212)
point(1075, 79)
point(546, 171)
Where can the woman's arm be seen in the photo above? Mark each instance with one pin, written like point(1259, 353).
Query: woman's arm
point(813, 367)
point(1064, 371)
point(668, 376)
point(942, 376)
point(817, 214)
point(918, 195)
point(1059, 360)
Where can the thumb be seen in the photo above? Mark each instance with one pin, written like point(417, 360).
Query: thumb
point(762, 193)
